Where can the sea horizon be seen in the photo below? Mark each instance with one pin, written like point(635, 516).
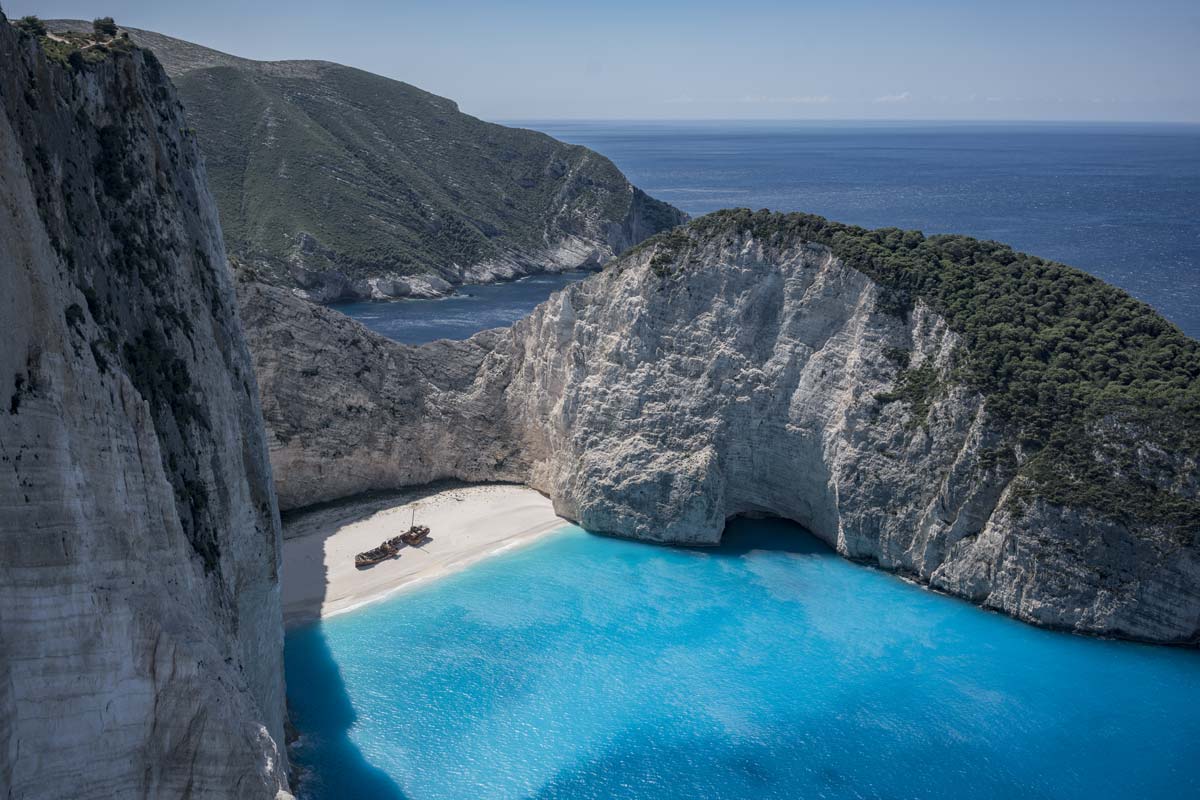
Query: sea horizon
point(847, 121)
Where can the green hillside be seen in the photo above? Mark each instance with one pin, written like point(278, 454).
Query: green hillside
point(327, 175)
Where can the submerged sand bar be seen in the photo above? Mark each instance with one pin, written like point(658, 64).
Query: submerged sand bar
point(467, 523)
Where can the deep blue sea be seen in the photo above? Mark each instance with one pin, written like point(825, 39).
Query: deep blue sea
point(1121, 201)
point(459, 316)
point(588, 668)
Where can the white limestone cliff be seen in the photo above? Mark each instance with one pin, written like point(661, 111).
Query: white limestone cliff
point(656, 401)
point(140, 627)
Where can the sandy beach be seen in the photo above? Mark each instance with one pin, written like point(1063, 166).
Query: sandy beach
point(467, 523)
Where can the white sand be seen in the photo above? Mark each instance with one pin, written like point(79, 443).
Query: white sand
point(466, 524)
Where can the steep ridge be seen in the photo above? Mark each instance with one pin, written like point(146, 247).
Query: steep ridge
point(741, 365)
point(140, 627)
point(344, 184)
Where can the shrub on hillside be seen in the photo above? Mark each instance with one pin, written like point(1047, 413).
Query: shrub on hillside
point(104, 26)
point(32, 24)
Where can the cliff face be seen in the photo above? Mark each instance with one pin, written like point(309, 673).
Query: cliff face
point(342, 184)
point(140, 628)
point(737, 375)
point(349, 411)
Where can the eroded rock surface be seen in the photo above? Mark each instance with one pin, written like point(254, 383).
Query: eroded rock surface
point(140, 630)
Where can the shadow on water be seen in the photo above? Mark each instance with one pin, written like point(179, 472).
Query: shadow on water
point(328, 764)
point(325, 716)
point(745, 534)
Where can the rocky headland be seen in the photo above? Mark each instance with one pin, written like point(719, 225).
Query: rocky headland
point(999, 427)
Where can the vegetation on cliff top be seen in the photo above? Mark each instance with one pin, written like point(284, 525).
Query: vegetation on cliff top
point(1101, 393)
point(77, 48)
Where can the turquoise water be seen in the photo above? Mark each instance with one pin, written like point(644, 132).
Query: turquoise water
point(586, 667)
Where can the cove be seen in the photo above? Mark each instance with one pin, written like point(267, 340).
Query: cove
point(589, 667)
point(468, 311)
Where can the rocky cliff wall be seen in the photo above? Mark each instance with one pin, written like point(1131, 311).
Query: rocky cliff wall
point(351, 412)
point(677, 389)
point(140, 628)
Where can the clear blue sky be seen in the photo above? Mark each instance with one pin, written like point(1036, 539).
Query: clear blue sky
point(754, 59)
